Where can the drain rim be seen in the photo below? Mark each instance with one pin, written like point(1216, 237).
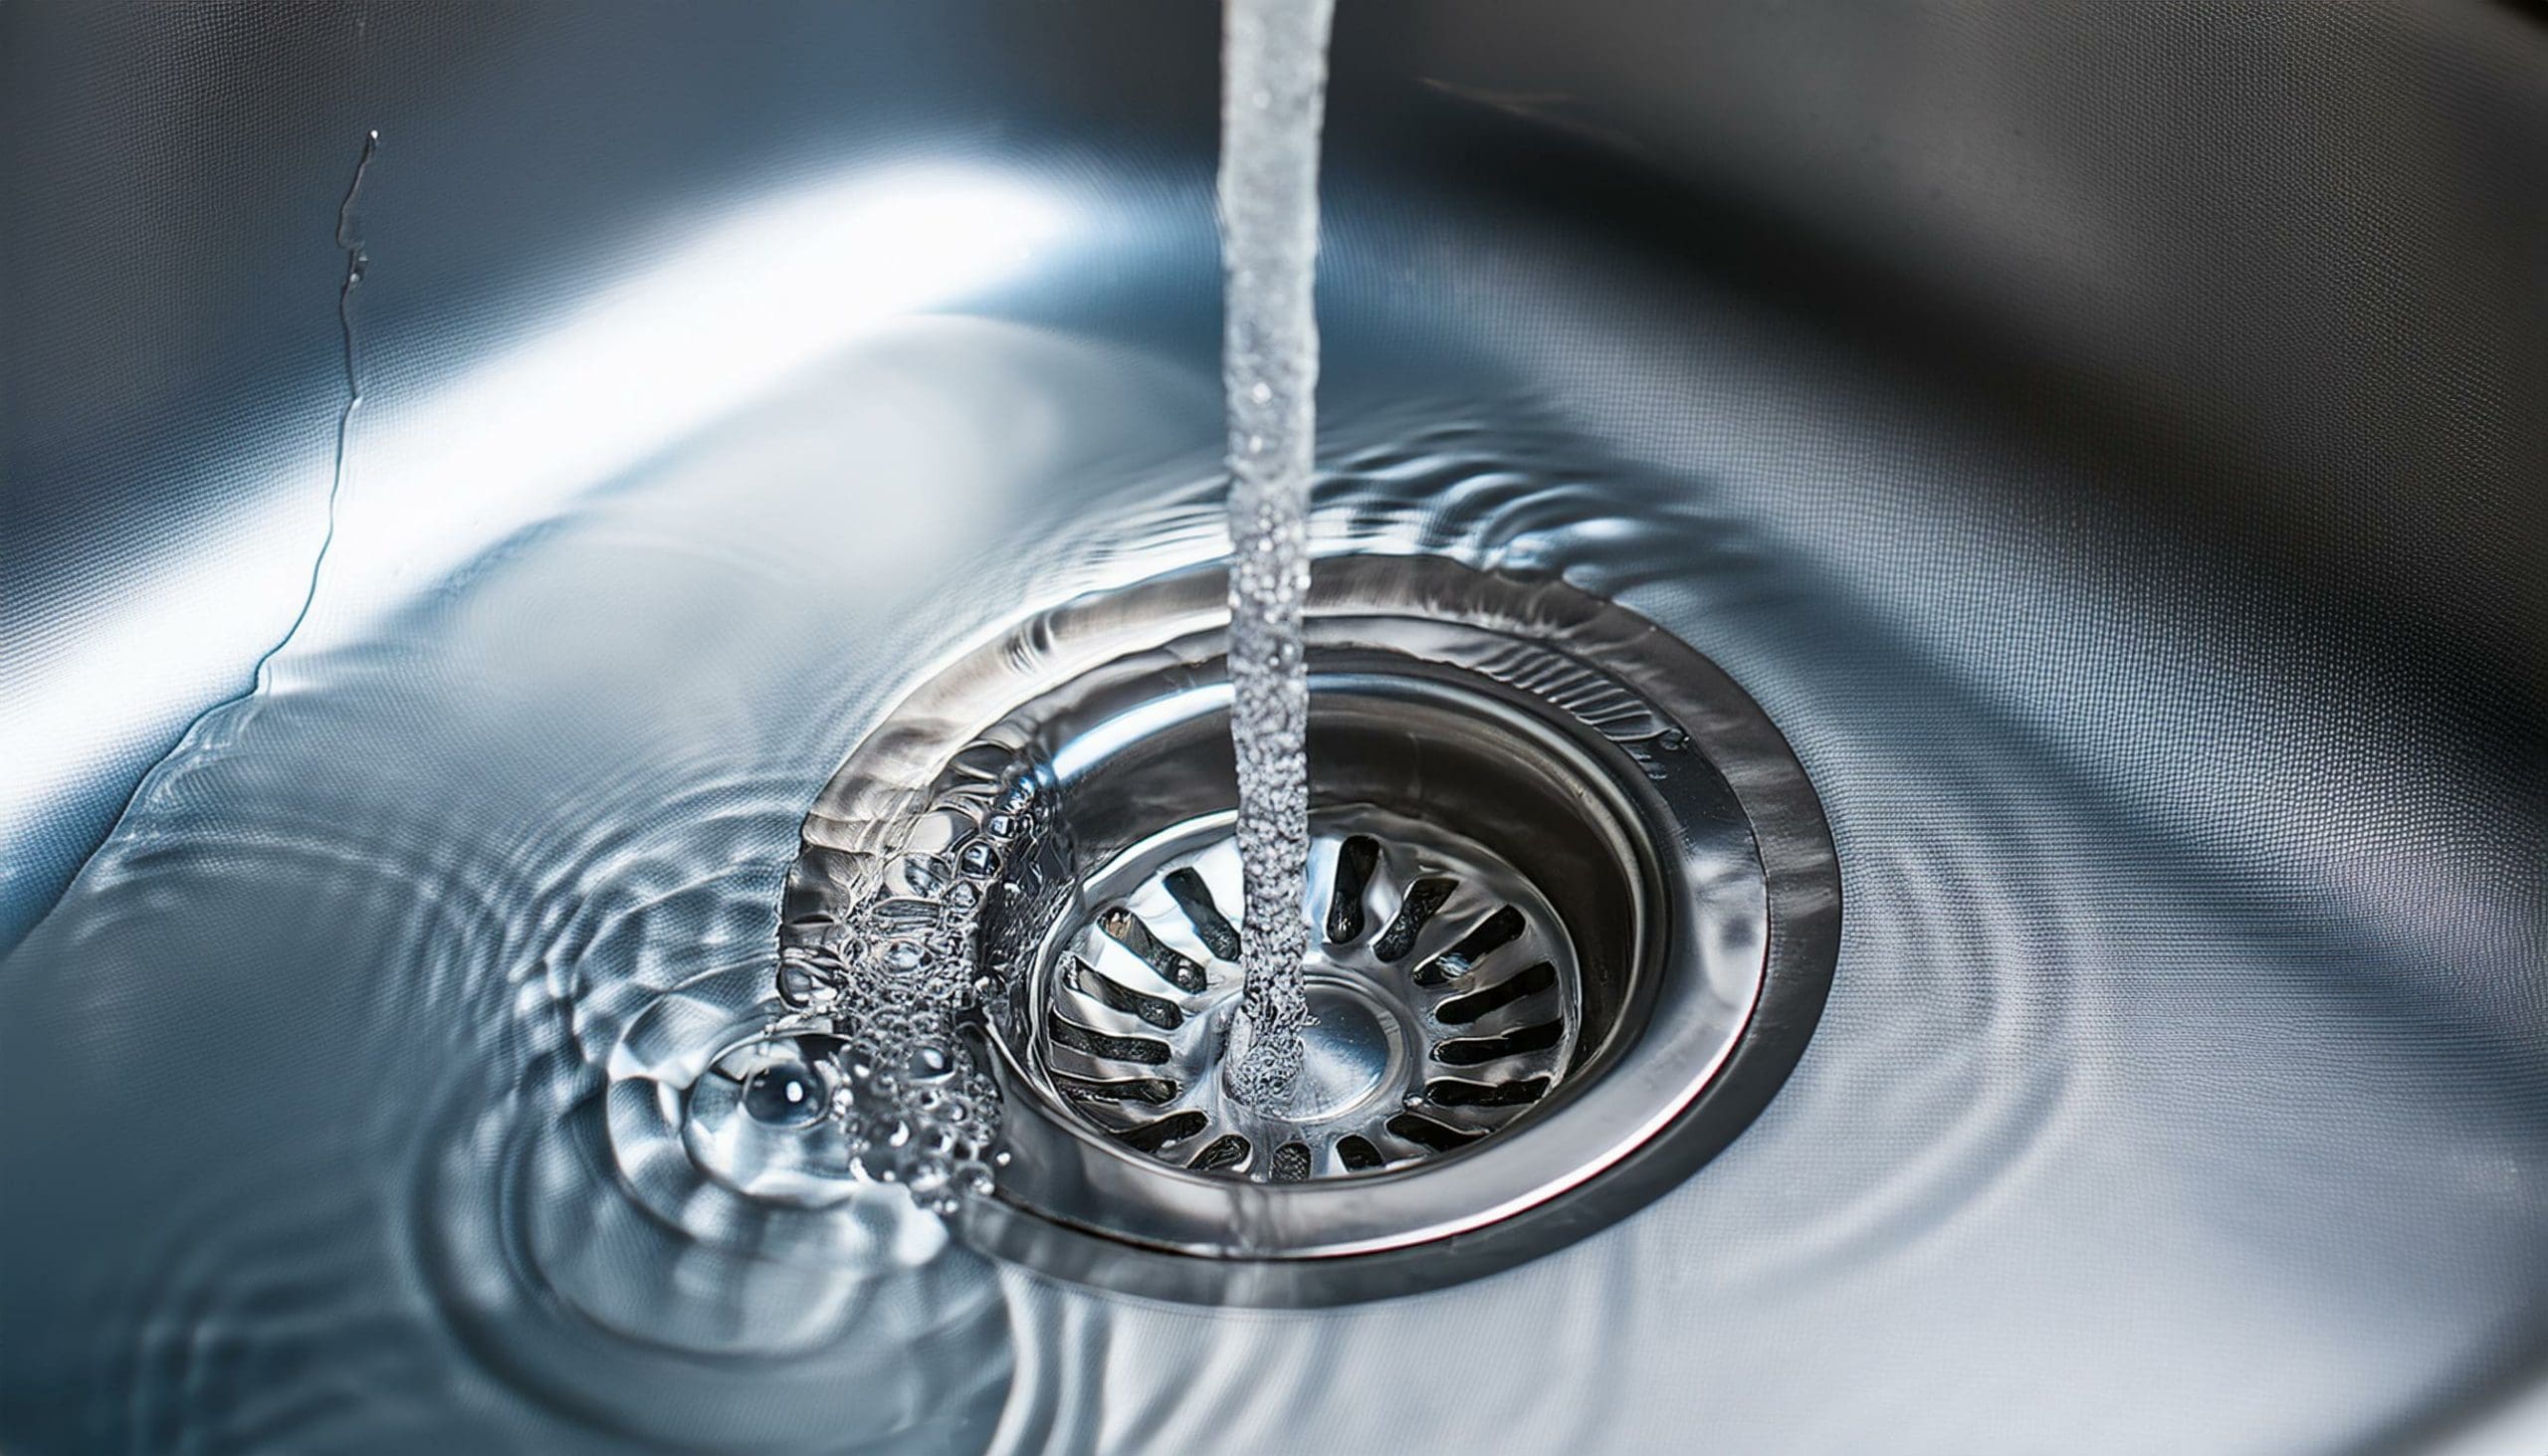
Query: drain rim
point(1584, 652)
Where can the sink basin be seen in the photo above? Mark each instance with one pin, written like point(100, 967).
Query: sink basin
point(2105, 444)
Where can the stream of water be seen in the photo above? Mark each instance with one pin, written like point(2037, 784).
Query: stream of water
point(1273, 97)
point(871, 1051)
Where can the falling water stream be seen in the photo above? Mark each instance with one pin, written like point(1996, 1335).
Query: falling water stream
point(1273, 95)
point(879, 997)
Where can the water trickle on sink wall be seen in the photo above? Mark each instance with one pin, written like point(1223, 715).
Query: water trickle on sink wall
point(1273, 95)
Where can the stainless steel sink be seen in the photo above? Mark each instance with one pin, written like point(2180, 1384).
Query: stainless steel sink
point(2105, 441)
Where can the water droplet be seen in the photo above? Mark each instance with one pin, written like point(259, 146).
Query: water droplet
point(918, 874)
point(788, 1094)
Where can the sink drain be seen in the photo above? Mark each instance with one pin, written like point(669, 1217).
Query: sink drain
point(1574, 908)
point(1410, 1055)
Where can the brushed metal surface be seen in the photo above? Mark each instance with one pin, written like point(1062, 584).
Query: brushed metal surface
point(2138, 406)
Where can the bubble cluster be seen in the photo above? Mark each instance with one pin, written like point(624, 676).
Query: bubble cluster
point(901, 981)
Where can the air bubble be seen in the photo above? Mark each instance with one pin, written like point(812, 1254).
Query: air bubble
point(792, 1094)
point(902, 916)
point(918, 875)
point(911, 1102)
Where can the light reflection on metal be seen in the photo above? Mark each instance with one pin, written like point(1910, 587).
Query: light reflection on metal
point(647, 362)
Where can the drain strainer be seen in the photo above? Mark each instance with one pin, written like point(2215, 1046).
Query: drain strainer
point(1408, 1057)
point(1574, 908)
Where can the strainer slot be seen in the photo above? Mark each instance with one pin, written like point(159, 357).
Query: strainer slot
point(1423, 899)
point(1355, 861)
point(1133, 933)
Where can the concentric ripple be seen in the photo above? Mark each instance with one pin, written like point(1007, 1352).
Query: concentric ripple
point(408, 1072)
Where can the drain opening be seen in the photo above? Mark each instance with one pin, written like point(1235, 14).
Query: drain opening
point(1408, 1065)
point(1572, 910)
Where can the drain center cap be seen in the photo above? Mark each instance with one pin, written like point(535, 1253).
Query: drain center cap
point(1443, 986)
point(1351, 1053)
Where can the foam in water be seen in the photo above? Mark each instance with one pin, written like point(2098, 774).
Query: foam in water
point(1274, 83)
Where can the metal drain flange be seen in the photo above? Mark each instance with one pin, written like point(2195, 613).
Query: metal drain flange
point(1574, 908)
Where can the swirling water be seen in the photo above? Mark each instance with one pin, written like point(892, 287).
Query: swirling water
point(396, 1077)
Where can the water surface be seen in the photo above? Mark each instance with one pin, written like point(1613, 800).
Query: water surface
point(362, 1088)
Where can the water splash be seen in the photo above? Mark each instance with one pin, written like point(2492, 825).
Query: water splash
point(1274, 91)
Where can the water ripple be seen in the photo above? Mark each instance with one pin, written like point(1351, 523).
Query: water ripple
point(390, 1066)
